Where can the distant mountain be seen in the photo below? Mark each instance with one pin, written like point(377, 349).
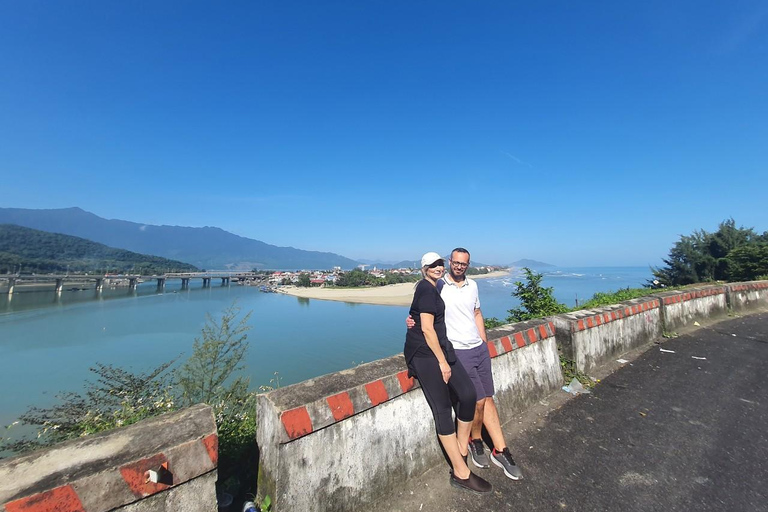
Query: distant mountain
point(32, 251)
point(531, 264)
point(417, 263)
point(207, 247)
point(378, 263)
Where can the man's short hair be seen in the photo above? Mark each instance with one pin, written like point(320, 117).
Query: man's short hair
point(460, 249)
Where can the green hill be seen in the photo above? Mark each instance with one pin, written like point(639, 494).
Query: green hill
point(33, 251)
point(206, 247)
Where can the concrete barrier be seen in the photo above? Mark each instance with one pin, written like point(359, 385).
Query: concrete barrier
point(748, 297)
point(346, 439)
point(592, 337)
point(108, 471)
point(680, 309)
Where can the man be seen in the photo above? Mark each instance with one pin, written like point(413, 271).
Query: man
point(466, 331)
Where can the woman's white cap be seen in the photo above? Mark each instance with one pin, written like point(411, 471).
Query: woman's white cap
point(430, 258)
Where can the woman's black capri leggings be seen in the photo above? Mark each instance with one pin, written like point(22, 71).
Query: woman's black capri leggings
point(438, 394)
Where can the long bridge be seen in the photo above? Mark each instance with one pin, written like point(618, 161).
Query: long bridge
point(130, 280)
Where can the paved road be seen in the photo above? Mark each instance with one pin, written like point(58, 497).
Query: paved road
point(667, 432)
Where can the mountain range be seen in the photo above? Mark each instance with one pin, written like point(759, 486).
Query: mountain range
point(206, 247)
point(28, 250)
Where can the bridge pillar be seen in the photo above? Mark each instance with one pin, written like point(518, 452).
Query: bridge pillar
point(11, 285)
point(184, 283)
point(99, 283)
point(131, 283)
point(59, 285)
point(224, 281)
point(160, 283)
point(206, 282)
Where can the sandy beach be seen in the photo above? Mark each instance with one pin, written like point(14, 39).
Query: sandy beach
point(390, 295)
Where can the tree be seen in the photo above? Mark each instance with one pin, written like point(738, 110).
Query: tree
point(703, 256)
point(215, 358)
point(748, 262)
point(119, 397)
point(304, 280)
point(536, 301)
point(357, 277)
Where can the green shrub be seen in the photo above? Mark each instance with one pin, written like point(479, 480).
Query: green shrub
point(536, 301)
point(607, 298)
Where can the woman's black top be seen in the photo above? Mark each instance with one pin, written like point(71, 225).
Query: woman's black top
point(426, 299)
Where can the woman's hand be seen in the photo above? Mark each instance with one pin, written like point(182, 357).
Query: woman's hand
point(445, 369)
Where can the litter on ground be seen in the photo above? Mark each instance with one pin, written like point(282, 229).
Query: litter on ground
point(575, 388)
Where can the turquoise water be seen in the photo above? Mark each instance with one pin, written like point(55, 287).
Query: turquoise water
point(569, 283)
point(47, 343)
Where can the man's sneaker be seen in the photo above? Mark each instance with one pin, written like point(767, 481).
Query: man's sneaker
point(474, 483)
point(504, 460)
point(477, 454)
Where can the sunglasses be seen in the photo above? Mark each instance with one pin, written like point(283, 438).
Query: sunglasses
point(438, 263)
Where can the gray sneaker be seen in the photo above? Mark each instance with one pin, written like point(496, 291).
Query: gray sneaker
point(477, 454)
point(504, 460)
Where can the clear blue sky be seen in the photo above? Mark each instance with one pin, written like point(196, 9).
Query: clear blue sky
point(577, 133)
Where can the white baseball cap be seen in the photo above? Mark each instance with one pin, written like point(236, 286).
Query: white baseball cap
point(430, 258)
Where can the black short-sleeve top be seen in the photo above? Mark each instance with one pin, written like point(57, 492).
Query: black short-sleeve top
point(426, 299)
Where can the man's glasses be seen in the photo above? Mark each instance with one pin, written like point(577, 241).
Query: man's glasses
point(459, 264)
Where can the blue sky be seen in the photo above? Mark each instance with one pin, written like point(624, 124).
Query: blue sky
point(577, 133)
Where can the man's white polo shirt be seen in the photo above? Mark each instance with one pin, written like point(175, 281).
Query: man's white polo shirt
point(460, 305)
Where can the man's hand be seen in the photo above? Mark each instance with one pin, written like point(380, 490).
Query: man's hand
point(410, 322)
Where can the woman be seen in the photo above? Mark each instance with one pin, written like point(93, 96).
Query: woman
point(431, 359)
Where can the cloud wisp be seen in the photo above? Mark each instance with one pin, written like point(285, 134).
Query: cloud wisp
point(521, 162)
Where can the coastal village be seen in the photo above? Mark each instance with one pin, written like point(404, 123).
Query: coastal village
point(321, 278)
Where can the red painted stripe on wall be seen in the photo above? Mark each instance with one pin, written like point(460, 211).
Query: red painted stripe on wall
point(134, 475)
point(211, 443)
point(519, 339)
point(580, 324)
point(542, 332)
point(506, 343)
point(296, 422)
point(406, 383)
point(341, 406)
point(377, 393)
point(492, 349)
point(60, 499)
point(532, 335)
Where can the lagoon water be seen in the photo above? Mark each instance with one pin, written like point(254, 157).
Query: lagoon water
point(48, 342)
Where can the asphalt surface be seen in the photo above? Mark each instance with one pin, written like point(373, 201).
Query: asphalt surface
point(665, 432)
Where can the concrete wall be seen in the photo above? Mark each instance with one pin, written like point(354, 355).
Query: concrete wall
point(107, 471)
point(680, 309)
point(349, 438)
point(748, 297)
point(592, 337)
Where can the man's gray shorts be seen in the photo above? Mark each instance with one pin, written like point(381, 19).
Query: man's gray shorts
point(477, 362)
